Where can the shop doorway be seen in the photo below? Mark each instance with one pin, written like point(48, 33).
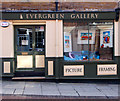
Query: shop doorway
point(30, 50)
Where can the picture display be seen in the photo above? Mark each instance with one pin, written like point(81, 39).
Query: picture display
point(83, 37)
point(93, 44)
point(67, 42)
point(106, 38)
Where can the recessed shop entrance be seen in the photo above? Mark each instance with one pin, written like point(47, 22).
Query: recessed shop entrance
point(30, 50)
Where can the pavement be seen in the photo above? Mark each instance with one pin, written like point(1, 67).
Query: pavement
point(32, 88)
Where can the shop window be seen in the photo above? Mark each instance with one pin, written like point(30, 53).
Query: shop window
point(85, 41)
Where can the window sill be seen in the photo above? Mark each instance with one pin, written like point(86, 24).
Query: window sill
point(98, 61)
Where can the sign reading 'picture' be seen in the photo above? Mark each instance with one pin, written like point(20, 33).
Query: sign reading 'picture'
point(75, 70)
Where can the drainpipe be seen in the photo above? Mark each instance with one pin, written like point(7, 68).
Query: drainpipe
point(57, 44)
point(117, 11)
point(117, 14)
point(56, 5)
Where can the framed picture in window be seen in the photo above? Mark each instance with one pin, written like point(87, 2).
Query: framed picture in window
point(83, 37)
point(106, 38)
point(67, 42)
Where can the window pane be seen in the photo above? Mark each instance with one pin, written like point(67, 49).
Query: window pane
point(24, 39)
point(39, 38)
point(101, 44)
point(75, 41)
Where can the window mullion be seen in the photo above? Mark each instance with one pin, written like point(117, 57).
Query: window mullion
point(88, 42)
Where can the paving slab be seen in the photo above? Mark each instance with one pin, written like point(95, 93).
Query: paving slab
point(69, 93)
point(8, 91)
point(32, 92)
point(18, 91)
point(50, 93)
point(109, 92)
point(90, 94)
point(65, 87)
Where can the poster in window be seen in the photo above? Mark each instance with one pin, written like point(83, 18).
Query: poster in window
point(106, 38)
point(83, 37)
point(24, 42)
point(41, 28)
point(67, 42)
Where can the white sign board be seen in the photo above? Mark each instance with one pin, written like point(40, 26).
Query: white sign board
point(107, 69)
point(74, 70)
point(4, 24)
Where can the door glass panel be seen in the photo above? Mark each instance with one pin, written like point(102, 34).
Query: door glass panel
point(39, 38)
point(24, 39)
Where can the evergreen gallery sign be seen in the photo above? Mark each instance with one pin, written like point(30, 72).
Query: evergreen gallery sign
point(59, 16)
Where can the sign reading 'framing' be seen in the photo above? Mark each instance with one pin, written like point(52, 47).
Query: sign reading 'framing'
point(57, 15)
point(74, 70)
point(107, 69)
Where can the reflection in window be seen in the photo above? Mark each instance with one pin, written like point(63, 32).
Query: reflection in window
point(39, 38)
point(88, 41)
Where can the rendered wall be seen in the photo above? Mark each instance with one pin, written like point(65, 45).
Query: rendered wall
point(7, 41)
point(54, 38)
point(60, 38)
point(117, 38)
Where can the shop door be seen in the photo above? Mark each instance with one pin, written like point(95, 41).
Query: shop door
point(30, 50)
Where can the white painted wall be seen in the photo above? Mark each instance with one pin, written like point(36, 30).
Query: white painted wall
point(117, 38)
point(60, 38)
point(7, 41)
point(54, 38)
point(50, 38)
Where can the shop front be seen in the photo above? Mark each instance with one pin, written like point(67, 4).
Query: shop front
point(60, 45)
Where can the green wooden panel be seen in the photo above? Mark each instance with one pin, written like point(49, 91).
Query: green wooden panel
point(11, 60)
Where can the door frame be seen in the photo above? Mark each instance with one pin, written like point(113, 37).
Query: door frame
point(33, 52)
